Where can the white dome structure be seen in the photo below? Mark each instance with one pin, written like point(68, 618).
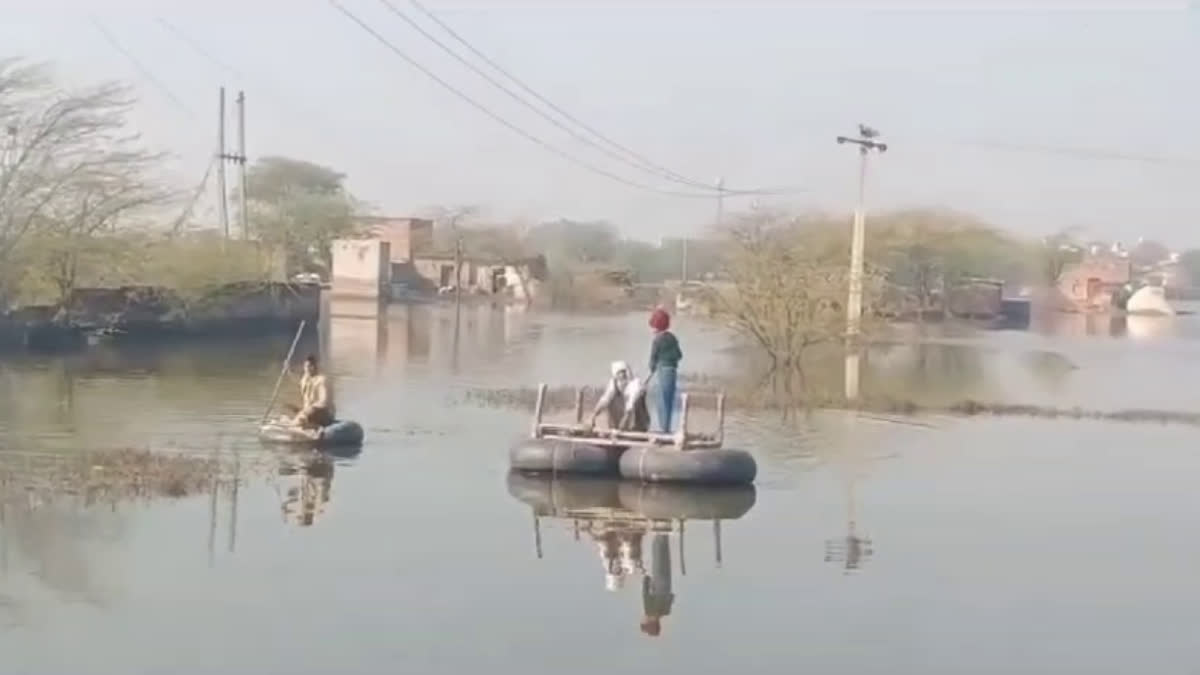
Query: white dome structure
point(1149, 300)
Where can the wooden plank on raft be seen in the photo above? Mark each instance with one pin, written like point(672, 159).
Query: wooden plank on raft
point(573, 434)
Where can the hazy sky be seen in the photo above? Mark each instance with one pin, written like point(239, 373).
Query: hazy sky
point(754, 92)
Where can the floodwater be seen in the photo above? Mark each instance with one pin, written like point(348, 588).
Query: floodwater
point(870, 545)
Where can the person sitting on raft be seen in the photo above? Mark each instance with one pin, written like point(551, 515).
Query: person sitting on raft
point(624, 399)
point(665, 356)
point(316, 398)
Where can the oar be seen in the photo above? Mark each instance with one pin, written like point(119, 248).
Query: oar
point(283, 371)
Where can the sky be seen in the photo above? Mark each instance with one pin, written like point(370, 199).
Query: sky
point(1067, 115)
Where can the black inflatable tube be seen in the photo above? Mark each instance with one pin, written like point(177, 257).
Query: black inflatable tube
point(552, 496)
point(554, 457)
point(666, 501)
point(696, 467)
point(345, 434)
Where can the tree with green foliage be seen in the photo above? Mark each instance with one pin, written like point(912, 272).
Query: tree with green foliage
point(300, 207)
point(928, 252)
point(787, 284)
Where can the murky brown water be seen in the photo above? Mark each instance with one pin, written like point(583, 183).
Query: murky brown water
point(936, 546)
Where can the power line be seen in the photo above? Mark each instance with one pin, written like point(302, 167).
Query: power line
point(166, 91)
point(620, 153)
point(195, 46)
point(1083, 153)
point(639, 160)
point(500, 120)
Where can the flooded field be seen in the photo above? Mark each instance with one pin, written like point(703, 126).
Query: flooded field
point(869, 545)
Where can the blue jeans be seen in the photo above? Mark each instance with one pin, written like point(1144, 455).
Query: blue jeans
point(663, 397)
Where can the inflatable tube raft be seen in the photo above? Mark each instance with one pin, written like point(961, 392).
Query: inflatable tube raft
point(341, 433)
point(700, 467)
point(664, 501)
point(554, 457)
point(554, 496)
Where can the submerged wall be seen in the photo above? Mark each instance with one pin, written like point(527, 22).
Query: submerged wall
point(150, 313)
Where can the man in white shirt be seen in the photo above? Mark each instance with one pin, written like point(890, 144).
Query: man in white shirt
point(625, 400)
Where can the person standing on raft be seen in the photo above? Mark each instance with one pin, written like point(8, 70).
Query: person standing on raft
point(665, 356)
point(316, 398)
point(624, 399)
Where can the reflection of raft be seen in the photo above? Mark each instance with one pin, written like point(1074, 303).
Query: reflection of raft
point(689, 502)
point(558, 496)
point(341, 433)
point(680, 457)
point(609, 499)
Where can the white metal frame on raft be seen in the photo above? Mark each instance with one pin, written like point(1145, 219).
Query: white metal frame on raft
point(582, 433)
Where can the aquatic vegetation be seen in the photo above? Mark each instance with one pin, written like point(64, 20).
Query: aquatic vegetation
point(745, 401)
point(118, 474)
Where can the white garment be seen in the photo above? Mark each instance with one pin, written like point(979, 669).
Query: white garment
point(633, 388)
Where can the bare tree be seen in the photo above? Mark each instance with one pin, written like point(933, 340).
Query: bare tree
point(69, 167)
point(787, 284)
point(77, 229)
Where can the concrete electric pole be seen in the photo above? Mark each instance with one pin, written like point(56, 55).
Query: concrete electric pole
point(238, 158)
point(866, 143)
point(221, 188)
point(683, 272)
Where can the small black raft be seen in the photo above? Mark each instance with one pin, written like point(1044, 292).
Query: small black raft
point(683, 457)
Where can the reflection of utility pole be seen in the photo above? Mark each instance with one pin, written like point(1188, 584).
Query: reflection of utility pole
point(717, 542)
point(214, 485)
point(233, 498)
point(537, 535)
point(865, 144)
point(852, 550)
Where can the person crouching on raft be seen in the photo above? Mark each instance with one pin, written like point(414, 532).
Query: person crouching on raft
point(665, 356)
point(625, 400)
point(316, 397)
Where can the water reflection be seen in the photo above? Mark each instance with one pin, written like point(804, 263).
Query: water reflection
point(617, 517)
point(365, 337)
point(309, 479)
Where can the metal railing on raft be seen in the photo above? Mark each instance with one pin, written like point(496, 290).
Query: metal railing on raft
point(581, 433)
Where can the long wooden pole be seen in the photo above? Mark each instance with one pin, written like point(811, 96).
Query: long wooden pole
point(282, 372)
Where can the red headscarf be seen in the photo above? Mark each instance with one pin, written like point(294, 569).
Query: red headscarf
point(660, 320)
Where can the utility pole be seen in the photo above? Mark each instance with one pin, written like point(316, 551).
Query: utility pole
point(720, 201)
point(683, 272)
point(866, 143)
point(241, 162)
point(221, 188)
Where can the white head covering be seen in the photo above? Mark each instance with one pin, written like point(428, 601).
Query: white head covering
point(620, 366)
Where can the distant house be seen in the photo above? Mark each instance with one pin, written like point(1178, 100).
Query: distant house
point(417, 268)
point(1091, 284)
